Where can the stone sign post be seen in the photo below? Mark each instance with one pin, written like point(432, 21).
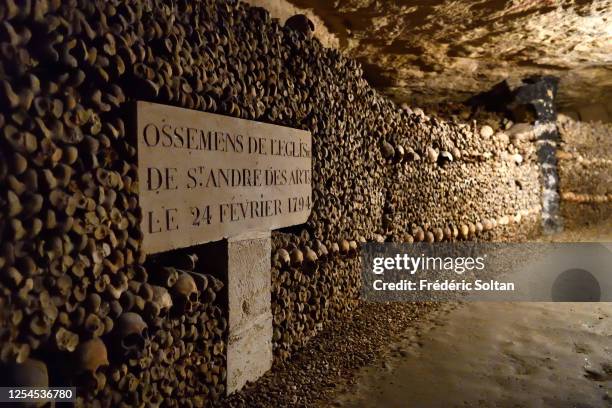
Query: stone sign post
point(206, 177)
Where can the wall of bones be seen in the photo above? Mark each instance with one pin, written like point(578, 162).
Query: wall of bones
point(585, 171)
point(80, 304)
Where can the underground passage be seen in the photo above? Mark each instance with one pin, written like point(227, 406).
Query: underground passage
point(306, 203)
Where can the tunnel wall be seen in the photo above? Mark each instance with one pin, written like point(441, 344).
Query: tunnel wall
point(79, 302)
point(596, 112)
point(585, 171)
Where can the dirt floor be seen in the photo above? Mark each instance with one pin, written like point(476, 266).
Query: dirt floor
point(600, 232)
point(498, 355)
point(452, 355)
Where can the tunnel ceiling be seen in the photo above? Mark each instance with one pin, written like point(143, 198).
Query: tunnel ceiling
point(424, 52)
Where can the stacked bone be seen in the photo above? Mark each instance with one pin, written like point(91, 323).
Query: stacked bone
point(585, 171)
point(167, 344)
point(401, 167)
point(72, 282)
point(312, 283)
point(173, 348)
point(71, 269)
point(467, 176)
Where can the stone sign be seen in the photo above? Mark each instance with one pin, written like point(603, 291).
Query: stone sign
point(205, 177)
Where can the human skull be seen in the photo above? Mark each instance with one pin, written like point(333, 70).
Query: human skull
point(445, 158)
point(30, 373)
point(302, 24)
point(185, 293)
point(162, 300)
point(133, 334)
point(320, 249)
point(283, 256)
point(90, 356)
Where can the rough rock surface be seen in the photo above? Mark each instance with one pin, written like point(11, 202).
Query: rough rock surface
point(427, 51)
point(585, 171)
point(331, 360)
point(282, 10)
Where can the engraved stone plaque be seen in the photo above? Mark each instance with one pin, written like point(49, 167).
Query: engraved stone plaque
point(205, 177)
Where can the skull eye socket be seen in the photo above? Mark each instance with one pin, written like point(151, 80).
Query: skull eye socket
point(193, 297)
point(133, 340)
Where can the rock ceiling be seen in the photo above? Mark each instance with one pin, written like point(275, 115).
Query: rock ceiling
point(429, 51)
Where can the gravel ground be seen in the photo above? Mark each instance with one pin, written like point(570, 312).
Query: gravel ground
point(332, 358)
point(364, 337)
point(599, 232)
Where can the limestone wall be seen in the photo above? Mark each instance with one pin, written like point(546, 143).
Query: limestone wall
point(596, 112)
point(585, 171)
point(80, 304)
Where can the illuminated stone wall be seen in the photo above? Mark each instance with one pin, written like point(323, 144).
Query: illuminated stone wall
point(585, 171)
